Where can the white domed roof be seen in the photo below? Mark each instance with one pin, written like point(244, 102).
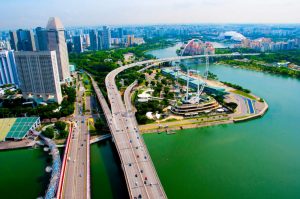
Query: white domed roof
point(234, 35)
point(54, 23)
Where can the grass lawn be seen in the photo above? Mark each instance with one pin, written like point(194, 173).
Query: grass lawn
point(244, 94)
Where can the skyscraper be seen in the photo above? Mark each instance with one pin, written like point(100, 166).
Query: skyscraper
point(39, 75)
point(77, 41)
point(8, 70)
point(106, 38)
point(100, 40)
point(57, 42)
point(22, 40)
point(42, 39)
point(120, 32)
point(93, 40)
point(13, 40)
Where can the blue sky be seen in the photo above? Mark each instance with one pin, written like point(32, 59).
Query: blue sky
point(32, 13)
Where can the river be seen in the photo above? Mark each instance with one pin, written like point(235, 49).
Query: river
point(22, 173)
point(253, 159)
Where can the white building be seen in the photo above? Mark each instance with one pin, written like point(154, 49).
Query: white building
point(39, 75)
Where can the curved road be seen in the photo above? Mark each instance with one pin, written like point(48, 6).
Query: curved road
point(140, 174)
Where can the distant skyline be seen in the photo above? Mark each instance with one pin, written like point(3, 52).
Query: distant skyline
point(33, 13)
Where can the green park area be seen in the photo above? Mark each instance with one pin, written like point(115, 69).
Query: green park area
point(57, 131)
point(265, 62)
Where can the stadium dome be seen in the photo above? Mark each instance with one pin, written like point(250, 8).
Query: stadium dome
point(232, 35)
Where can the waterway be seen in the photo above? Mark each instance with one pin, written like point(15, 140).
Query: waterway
point(253, 159)
point(22, 173)
point(107, 178)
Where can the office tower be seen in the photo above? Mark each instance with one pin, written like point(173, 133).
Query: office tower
point(13, 40)
point(100, 40)
point(57, 42)
point(120, 32)
point(106, 35)
point(39, 75)
point(25, 40)
point(8, 70)
point(93, 40)
point(22, 40)
point(70, 46)
point(78, 46)
point(42, 39)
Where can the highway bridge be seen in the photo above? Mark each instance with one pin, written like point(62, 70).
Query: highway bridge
point(140, 174)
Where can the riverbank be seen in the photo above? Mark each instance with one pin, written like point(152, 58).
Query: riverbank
point(11, 145)
point(265, 69)
point(185, 124)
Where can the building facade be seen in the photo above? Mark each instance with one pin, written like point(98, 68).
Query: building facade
point(57, 42)
point(13, 40)
point(78, 44)
point(22, 40)
point(106, 35)
point(41, 39)
point(39, 75)
point(93, 40)
point(8, 69)
point(100, 40)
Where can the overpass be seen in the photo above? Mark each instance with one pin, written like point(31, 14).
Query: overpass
point(140, 174)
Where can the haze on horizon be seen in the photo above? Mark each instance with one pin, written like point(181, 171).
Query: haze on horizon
point(32, 13)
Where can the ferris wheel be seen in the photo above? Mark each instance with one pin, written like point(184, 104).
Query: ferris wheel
point(201, 86)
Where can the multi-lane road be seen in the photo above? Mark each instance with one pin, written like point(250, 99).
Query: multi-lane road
point(75, 183)
point(140, 174)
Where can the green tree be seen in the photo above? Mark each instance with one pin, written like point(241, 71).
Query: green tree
point(63, 134)
point(48, 132)
point(60, 125)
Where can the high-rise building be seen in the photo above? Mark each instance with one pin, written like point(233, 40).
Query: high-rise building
point(93, 40)
point(78, 46)
point(8, 70)
point(39, 75)
point(25, 40)
point(100, 40)
point(13, 40)
point(41, 38)
point(130, 40)
point(57, 42)
point(106, 35)
point(120, 32)
point(70, 46)
point(22, 40)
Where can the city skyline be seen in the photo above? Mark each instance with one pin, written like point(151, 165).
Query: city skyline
point(29, 14)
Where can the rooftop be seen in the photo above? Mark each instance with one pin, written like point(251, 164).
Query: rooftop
point(54, 23)
point(16, 128)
